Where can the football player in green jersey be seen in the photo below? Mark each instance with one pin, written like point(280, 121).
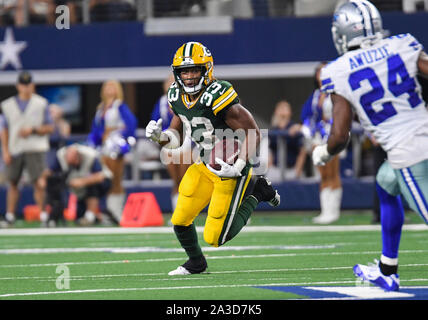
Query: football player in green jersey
point(207, 109)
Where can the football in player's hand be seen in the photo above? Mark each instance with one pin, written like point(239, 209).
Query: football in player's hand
point(227, 150)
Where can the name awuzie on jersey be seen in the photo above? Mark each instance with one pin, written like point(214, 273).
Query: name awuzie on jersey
point(369, 56)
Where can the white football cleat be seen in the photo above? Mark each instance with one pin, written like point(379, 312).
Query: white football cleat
point(190, 267)
point(180, 271)
point(373, 274)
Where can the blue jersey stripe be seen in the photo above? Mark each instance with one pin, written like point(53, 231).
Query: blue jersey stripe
point(416, 193)
point(329, 87)
point(325, 81)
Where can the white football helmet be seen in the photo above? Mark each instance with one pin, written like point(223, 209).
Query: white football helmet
point(356, 23)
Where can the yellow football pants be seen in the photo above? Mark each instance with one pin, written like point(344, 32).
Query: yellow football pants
point(200, 187)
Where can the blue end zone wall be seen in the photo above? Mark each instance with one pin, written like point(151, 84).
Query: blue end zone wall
point(124, 44)
point(295, 195)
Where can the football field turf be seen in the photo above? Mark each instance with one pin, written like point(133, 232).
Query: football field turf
point(277, 256)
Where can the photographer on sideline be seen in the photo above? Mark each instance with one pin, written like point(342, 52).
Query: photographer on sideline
point(78, 168)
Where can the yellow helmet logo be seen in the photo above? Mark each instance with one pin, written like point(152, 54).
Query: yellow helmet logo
point(193, 54)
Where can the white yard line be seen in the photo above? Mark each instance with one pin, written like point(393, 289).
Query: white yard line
point(320, 283)
point(159, 250)
point(162, 230)
point(168, 278)
point(169, 288)
point(36, 265)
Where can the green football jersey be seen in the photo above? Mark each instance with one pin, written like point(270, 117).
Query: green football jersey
point(204, 117)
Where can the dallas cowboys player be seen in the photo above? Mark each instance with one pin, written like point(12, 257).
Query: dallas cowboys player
point(376, 77)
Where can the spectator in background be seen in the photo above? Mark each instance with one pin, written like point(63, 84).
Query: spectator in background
point(113, 132)
point(176, 170)
point(25, 141)
point(295, 151)
point(316, 117)
point(62, 130)
point(2, 126)
point(111, 10)
point(13, 12)
point(260, 8)
point(78, 168)
point(168, 8)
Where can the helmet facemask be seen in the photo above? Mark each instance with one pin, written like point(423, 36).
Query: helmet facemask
point(193, 55)
point(199, 84)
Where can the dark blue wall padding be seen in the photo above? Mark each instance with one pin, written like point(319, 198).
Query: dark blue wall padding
point(124, 44)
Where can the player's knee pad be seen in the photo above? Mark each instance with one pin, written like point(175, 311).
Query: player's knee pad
point(211, 237)
point(178, 219)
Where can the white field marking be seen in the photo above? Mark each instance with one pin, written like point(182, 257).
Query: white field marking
point(169, 230)
point(98, 276)
point(363, 292)
point(35, 265)
point(92, 244)
point(286, 255)
point(172, 288)
point(169, 277)
point(139, 280)
point(159, 250)
point(177, 288)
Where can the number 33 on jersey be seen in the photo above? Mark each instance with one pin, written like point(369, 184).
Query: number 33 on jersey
point(206, 114)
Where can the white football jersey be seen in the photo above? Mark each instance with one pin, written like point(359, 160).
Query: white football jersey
point(380, 83)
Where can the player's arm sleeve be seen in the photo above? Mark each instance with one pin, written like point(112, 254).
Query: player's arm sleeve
point(226, 98)
point(173, 94)
point(413, 43)
point(129, 119)
point(410, 50)
point(333, 80)
point(327, 84)
point(172, 108)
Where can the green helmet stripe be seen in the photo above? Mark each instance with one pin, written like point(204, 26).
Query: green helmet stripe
point(187, 50)
point(184, 50)
point(191, 49)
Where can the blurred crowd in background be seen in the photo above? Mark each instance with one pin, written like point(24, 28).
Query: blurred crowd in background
point(121, 151)
point(24, 12)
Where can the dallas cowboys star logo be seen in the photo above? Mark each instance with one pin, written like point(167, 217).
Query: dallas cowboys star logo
point(10, 50)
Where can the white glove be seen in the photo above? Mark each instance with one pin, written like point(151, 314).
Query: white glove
point(226, 170)
point(154, 130)
point(320, 155)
